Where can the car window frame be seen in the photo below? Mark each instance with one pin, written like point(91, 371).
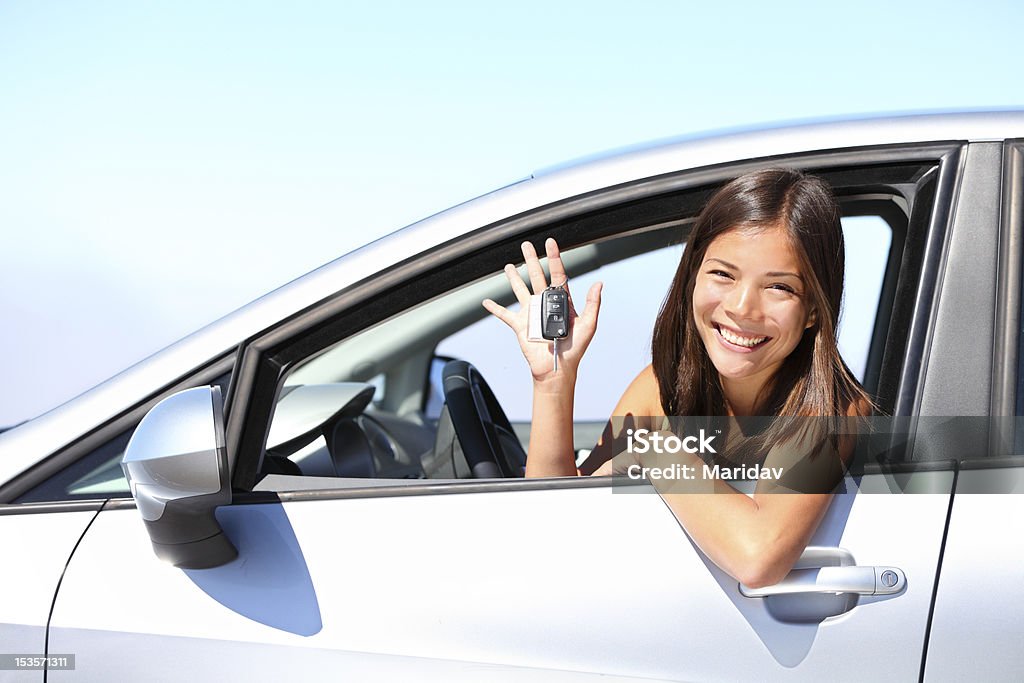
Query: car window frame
point(265, 361)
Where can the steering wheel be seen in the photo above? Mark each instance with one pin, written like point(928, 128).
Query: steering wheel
point(488, 441)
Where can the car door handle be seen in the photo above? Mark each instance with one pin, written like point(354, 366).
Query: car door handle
point(858, 580)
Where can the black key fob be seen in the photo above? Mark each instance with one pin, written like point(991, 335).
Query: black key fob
point(554, 313)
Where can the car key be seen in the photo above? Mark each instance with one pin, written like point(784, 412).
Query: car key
point(549, 318)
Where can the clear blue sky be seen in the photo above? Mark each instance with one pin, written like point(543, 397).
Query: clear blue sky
point(164, 163)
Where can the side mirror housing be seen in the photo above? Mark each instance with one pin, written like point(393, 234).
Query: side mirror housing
point(177, 468)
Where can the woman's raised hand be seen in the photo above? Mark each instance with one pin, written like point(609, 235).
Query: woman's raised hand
point(581, 326)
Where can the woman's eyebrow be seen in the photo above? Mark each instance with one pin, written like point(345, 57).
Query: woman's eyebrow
point(784, 274)
point(771, 274)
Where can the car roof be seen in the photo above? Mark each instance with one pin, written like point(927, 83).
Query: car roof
point(22, 446)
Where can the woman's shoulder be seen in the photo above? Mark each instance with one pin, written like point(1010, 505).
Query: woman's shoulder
point(860, 406)
point(642, 396)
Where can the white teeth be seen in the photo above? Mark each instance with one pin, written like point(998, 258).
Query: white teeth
point(733, 338)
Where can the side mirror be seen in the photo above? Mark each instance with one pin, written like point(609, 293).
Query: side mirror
point(177, 468)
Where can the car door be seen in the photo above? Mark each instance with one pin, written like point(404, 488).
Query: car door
point(37, 542)
point(550, 579)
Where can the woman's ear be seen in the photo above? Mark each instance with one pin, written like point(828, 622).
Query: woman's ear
point(812, 319)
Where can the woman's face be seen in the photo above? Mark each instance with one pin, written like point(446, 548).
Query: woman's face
point(750, 303)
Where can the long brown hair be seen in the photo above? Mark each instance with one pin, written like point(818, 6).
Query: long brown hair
point(813, 379)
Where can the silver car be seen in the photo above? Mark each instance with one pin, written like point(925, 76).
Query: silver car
point(322, 485)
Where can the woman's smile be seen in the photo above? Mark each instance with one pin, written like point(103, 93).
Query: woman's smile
point(738, 341)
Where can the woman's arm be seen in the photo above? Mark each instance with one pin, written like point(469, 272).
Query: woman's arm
point(755, 540)
point(551, 452)
point(758, 539)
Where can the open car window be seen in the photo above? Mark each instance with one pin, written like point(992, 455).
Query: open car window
point(371, 405)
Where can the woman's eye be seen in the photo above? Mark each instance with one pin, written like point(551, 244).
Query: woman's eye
point(720, 273)
point(782, 288)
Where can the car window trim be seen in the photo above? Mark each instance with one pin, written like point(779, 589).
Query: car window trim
point(90, 505)
point(1007, 380)
point(617, 485)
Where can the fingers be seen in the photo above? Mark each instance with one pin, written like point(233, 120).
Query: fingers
point(518, 286)
point(558, 276)
point(585, 322)
point(593, 305)
point(537, 280)
point(500, 312)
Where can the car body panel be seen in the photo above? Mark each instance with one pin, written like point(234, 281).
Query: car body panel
point(376, 578)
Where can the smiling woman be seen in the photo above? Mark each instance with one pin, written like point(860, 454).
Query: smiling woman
point(748, 329)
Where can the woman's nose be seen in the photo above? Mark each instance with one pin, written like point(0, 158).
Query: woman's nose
point(743, 302)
